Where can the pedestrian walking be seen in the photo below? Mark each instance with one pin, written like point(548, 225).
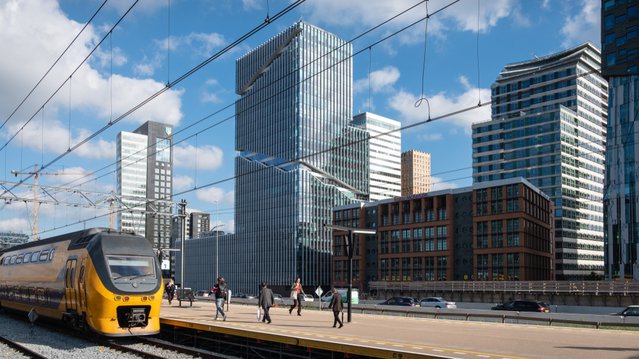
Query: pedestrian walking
point(266, 302)
point(220, 292)
point(338, 306)
point(296, 294)
point(170, 290)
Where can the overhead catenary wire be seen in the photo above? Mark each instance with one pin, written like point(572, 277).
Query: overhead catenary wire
point(283, 78)
point(252, 32)
point(227, 179)
point(53, 65)
point(71, 75)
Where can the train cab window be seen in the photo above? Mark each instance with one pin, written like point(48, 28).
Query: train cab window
point(125, 266)
point(27, 256)
point(44, 255)
point(19, 259)
point(35, 256)
point(51, 253)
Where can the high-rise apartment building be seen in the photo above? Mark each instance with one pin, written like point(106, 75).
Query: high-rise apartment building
point(131, 167)
point(385, 147)
point(548, 125)
point(145, 159)
point(620, 58)
point(298, 157)
point(415, 172)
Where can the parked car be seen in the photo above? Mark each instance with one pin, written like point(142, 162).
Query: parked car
point(278, 298)
point(630, 311)
point(524, 306)
point(437, 302)
point(202, 293)
point(328, 296)
point(401, 301)
point(308, 298)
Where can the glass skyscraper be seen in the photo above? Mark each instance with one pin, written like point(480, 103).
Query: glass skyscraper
point(620, 57)
point(548, 125)
point(297, 158)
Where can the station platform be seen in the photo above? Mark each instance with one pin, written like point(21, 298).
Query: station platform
point(385, 336)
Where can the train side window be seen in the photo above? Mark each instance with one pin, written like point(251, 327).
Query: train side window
point(19, 259)
point(27, 256)
point(44, 255)
point(51, 254)
point(35, 256)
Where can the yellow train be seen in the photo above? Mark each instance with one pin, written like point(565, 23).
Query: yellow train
point(96, 279)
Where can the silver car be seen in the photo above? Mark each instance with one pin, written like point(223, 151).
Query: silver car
point(437, 302)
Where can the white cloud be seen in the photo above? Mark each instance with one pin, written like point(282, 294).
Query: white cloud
point(146, 7)
point(383, 79)
point(88, 92)
point(215, 195)
point(584, 26)
point(199, 42)
point(104, 58)
point(19, 225)
point(365, 13)
point(181, 183)
point(211, 98)
point(438, 184)
point(442, 104)
point(545, 5)
point(208, 157)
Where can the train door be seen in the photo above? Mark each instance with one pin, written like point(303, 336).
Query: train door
point(70, 292)
point(82, 290)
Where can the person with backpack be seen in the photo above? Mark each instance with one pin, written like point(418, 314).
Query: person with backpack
point(220, 292)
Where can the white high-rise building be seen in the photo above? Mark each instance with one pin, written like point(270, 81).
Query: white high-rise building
point(384, 155)
point(131, 159)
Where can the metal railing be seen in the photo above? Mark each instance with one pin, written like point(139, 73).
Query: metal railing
point(543, 287)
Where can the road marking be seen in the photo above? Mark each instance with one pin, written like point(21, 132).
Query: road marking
point(459, 353)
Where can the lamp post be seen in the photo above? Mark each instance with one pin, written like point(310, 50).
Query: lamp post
point(217, 257)
point(182, 205)
point(350, 241)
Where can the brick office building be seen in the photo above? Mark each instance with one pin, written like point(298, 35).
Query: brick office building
point(496, 230)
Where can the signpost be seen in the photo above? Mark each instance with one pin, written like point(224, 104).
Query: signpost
point(319, 292)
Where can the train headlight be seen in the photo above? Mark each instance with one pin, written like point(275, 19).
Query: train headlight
point(152, 297)
point(144, 298)
point(117, 297)
point(125, 299)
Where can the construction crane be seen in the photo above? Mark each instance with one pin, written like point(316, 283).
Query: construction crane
point(36, 174)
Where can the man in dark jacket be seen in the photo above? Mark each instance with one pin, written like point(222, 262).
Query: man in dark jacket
point(220, 292)
point(266, 302)
point(338, 306)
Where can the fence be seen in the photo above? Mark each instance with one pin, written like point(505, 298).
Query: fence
point(533, 287)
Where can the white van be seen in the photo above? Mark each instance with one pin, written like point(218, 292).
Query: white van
point(344, 293)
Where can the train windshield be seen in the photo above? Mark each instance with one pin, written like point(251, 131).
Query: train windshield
point(127, 266)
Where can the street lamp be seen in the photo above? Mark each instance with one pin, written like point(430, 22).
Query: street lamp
point(350, 241)
point(217, 257)
point(182, 215)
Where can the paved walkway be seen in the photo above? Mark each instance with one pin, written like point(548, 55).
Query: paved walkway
point(446, 338)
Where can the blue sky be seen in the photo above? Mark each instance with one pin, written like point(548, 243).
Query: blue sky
point(160, 40)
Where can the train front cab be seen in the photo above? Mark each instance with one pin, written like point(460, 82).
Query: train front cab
point(118, 294)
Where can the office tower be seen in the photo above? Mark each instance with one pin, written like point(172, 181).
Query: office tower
point(415, 172)
point(549, 126)
point(385, 148)
point(620, 58)
point(158, 182)
point(144, 180)
point(298, 157)
point(131, 186)
point(197, 222)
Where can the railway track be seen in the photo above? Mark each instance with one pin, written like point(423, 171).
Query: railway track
point(21, 348)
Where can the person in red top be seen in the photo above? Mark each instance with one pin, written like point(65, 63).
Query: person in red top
point(296, 294)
